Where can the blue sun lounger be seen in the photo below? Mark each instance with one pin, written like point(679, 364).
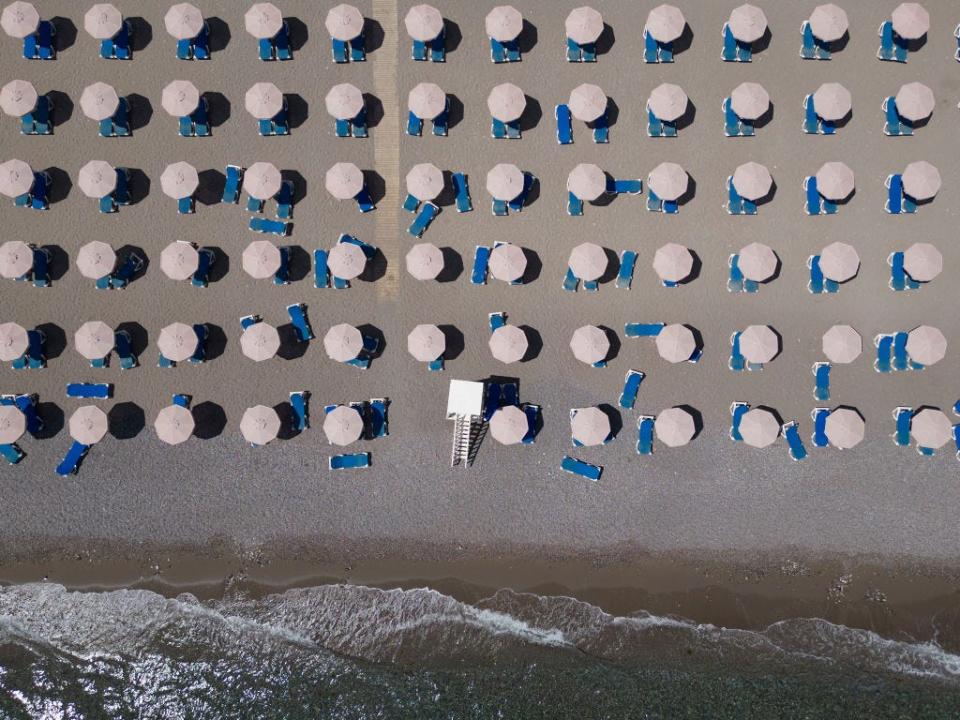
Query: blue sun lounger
point(819, 416)
point(729, 52)
point(808, 47)
point(248, 320)
point(890, 49)
point(410, 203)
point(462, 189)
point(900, 359)
point(41, 268)
point(580, 53)
point(364, 201)
point(737, 411)
point(631, 385)
point(517, 204)
point(414, 125)
point(37, 121)
point(370, 346)
point(231, 188)
point(124, 348)
point(811, 121)
point(580, 468)
point(12, 453)
point(737, 362)
point(533, 419)
point(645, 425)
point(90, 391)
point(898, 276)
point(642, 329)
point(39, 45)
point(201, 277)
point(301, 413)
point(378, 424)
point(651, 53)
point(792, 434)
point(893, 124)
point(71, 462)
point(284, 198)
point(902, 417)
point(601, 130)
point(481, 260)
point(504, 52)
point(352, 461)
point(321, 275)
point(895, 198)
point(814, 201)
point(735, 279)
point(499, 208)
point(496, 320)
point(734, 201)
point(570, 281)
point(574, 205)
point(426, 215)
point(733, 124)
point(436, 365)
point(200, 354)
point(821, 372)
point(564, 125)
point(298, 318)
point(268, 226)
point(196, 48)
point(628, 260)
point(818, 283)
point(884, 345)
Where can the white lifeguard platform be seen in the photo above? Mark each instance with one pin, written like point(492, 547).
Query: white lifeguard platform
point(465, 408)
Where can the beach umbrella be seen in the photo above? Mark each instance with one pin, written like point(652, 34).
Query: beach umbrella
point(759, 427)
point(508, 262)
point(587, 181)
point(931, 428)
point(263, 20)
point(102, 21)
point(343, 342)
point(749, 100)
point(590, 344)
point(506, 102)
point(588, 261)
point(587, 102)
point(16, 178)
point(179, 180)
point(99, 101)
point(509, 425)
point(842, 344)
point(425, 181)
point(260, 341)
point(747, 23)
point(343, 425)
point(344, 101)
point(261, 259)
point(174, 424)
point(673, 262)
point(675, 427)
point(180, 98)
point(590, 426)
point(13, 424)
point(19, 19)
point(259, 425)
point(13, 341)
point(16, 259)
point(18, 97)
point(835, 181)
point(665, 23)
point(504, 182)
point(759, 344)
point(423, 22)
point(839, 262)
point(344, 22)
point(94, 340)
point(668, 181)
point(922, 262)
point(177, 342)
point(844, 428)
point(96, 259)
point(264, 100)
point(97, 179)
point(668, 101)
point(88, 424)
point(676, 343)
point(346, 261)
point(915, 101)
point(752, 180)
point(832, 101)
point(921, 180)
point(344, 181)
point(504, 23)
point(425, 261)
point(262, 180)
point(426, 343)
point(427, 100)
point(910, 21)
point(584, 25)
point(183, 21)
point(757, 262)
point(179, 260)
point(926, 345)
point(828, 22)
point(508, 344)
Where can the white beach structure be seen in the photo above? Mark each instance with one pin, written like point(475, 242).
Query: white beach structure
point(465, 408)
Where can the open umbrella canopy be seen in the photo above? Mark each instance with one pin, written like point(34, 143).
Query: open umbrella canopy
point(665, 23)
point(675, 427)
point(921, 180)
point(931, 428)
point(910, 21)
point(926, 345)
point(13, 424)
point(832, 101)
point(262, 180)
point(759, 428)
point(844, 428)
point(264, 100)
point(588, 261)
point(427, 100)
point(183, 21)
point(180, 98)
point(96, 259)
point(835, 181)
point(759, 344)
point(587, 102)
point(261, 259)
point(94, 340)
point(424, 261)
point(263, 20)
point(179, 180)
point(676, 343)
point(425, 181)
point(749, 100)
point(426, 343)
point(19, 19)
point(506, 102)
point(590, 426)
point(16, 259)
point(177, 341)
point(584, 25)
point(88, 424)
point(915, 101)
point(343, 425)
point(260, 341)
point(13, 341)
point(587, 181)
point(747, 23)
point(16, 178)
point(673, 262)
point(423, 22)
point(179, 260)
point(590, 344)
point(757, 262)
point(174, 424)
point(343, 342)
point(346, 261)
point(508, 344)
point(259, 425)
point(504, 181)
point(97, 179)
point(504, 23)
point(839, 262)
point(508, 262)
point(668, 101)
point(344, 181)
point(752, 180)
point(668, 181)
point(102, 21)
point(344, 101)
point(922, 262)
point(18, 97)
point(828, 22)
point(509, 425)
point(99, 101)
point(842, 344)
point(344, 22)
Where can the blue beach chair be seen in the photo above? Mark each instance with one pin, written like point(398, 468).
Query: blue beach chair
point(517, 204)
point(893, 124)
point(898, 276)
point(631, 385)
point(438, 48)
point(642, 329)
point(12, 453)
point(808, 48)
point(570, 281)
point(735, 203)
point(426, 215)
point(811, 121)
point(628, 260)
point(231, 188)
point(499, 207)
point(352, 461)
point(70, 464)
point(181, 400)
point(817, 283)
point(533, 420)
point(887, 50)
point(792, 434)
point(90, 391)
point(462, 189)
point(379, 425)
point(201, 277)
point(821, 390)
point(321, 274)
point(729, 53)
point(900, 359)
point(248, 320)
point(574, 205)
point(737, 411)
point(301, 414)
point(200, 353)
point(580, 468)
point(735, 279)
point(268, 226)
point(895, 197)
point(737, 362)
point(630, 186)
point(124, 348)
point(884, 345)
point(819, 416)
point(414, 125)
point(902, 417)
point(601, 130)
point(481, 260)
point(645, 425)
point(731, 121)
point(284, 198)
point(564, 125)
point(364, 201)
point(301, 325)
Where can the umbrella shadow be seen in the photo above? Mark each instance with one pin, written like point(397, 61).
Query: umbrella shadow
point(531, 114)
point(141, 110)
point(126, 250)
point(139, 338)
point(914, 45)
point(454, 341)
point(62, 107)
point(210, 189)
point(606, 40)
point(298, 109)
point(455, 111)
point(60, 185)
point(125, 420)
point(614, 340)
point(534, 343)
point(375, 268)
point(613, 266)
point(612, 113)
point(697, 338)
point(142, 33)
point(298, 32)
point(138, 185)
point(375, 184)
point(299, 184)
point(221, 264)
point(683, 43)
point(691, 191)
point(219, 33)
point(218, 107)
point(452, 37)
point(528, 37)
point(287, 430)
point(374, 109)
point(66, 33)
point(534, 266)
point(298, 263)
point(53, 420)
point(374, 332)
point(615, 418)
point(291, 348)
point(216, 341)
point(767, 117)
point(59, 261)
point(771, 193)
point(447, 196)
point(452, 265)
point(55, 340)
point(764, 42)
point(209, 420)
point(697, 419)
point(533, 194)
point(689, 115)
point(779, 342)
point(372, 35)
point(695, 269)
